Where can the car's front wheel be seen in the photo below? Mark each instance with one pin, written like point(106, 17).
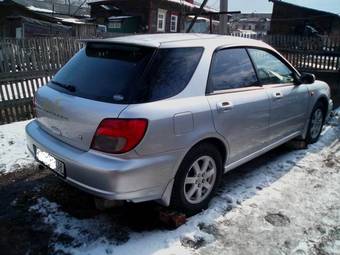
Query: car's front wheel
point(197, 179)
point(315, 123)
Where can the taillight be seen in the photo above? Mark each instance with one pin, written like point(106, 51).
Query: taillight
point(119, 135)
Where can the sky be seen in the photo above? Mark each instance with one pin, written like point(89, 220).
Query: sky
point(265, 6)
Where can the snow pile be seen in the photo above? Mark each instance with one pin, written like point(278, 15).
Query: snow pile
point(37, 9)
point(13, 152)
point(288, 204)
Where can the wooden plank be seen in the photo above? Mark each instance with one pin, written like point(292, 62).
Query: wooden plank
point(25, 75)
point(25, 87)
point(28, 55)
point(5, 57)
point(14, 102)
point(33, 55)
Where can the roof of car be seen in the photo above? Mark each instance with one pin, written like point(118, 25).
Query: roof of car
point(181, 39)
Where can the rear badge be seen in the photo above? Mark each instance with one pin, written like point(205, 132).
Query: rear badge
point(118, 97)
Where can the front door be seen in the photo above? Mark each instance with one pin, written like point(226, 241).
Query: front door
point(240, 107)
point(289, 102)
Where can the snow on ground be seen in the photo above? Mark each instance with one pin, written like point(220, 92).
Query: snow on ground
point(13, 152)
point(287, 205)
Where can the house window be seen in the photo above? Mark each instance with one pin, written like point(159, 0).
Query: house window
point(173, 23)
point(161, 20)
point(115, 25)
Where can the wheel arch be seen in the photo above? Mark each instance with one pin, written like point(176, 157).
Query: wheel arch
point(324, 102)
point(215, 141)
point(218, 143)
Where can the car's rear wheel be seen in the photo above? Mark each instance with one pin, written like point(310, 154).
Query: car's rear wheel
point(197, 179)
point(315, 123)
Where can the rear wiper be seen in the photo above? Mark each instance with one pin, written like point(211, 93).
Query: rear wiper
point(64, 86)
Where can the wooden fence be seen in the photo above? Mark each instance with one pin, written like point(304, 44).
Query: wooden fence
point(305, 53)
point(27, 64)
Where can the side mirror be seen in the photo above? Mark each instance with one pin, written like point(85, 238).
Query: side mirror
point(307, 78)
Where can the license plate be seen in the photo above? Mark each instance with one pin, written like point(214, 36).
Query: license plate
point(50, 161)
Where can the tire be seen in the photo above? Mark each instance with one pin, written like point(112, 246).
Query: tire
point(316, 122)
point(189, 177)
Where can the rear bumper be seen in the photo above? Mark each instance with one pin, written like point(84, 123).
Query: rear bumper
point(137, 179)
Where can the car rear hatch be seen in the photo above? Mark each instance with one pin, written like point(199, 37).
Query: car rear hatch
point(97, 83)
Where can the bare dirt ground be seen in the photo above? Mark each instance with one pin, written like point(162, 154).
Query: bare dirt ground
point(285, 202)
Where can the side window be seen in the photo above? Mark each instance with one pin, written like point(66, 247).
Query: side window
point(270, 69)
point(231, 68)
point(170, 72)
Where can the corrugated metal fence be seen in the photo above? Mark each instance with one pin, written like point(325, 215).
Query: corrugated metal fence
point(27, 64)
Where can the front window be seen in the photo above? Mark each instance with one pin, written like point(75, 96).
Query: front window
point(161, 19)
point(270, 69)
point(173, 23)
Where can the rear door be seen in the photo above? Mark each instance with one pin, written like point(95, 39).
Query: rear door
point(289, 102)
point(240, 107)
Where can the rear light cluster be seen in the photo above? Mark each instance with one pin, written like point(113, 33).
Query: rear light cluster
point(119, 135)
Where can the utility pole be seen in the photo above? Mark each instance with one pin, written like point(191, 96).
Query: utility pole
point(224, 29)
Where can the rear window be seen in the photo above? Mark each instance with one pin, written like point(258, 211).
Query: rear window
point(104, 72)
point(127, 74)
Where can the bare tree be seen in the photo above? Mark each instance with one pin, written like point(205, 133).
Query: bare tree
point(81, 5)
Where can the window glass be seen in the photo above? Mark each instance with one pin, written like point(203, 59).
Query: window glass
point(161, 20)
point(127, 74)
point(232, 68)
point(173, 23)
point(170, 72)
point(103, 71)
point(270, 69)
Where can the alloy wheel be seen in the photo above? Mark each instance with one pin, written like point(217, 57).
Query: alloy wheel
point(200, 179)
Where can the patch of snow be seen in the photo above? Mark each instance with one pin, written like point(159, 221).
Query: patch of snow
point(286, 205)
point(13, 152)
point(118, 17)
point(37, 9)
point(72, 20)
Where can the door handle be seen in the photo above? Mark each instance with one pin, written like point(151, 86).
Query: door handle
point(278, 95)
point(224, 106)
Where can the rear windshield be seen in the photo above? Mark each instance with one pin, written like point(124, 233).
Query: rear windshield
point(127, 74)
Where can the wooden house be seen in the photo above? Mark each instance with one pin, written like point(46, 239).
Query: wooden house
point(289, 18)
point(150, 16)
point(20, 21)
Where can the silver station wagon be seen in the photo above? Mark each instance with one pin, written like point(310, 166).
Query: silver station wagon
point(162, 117)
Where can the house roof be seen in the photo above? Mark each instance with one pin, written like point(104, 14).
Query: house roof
point(280, 2)
point(179, 2)
point(46, 7)
point(206, 8)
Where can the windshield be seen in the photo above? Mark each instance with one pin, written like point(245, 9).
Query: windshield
point(126, 74)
